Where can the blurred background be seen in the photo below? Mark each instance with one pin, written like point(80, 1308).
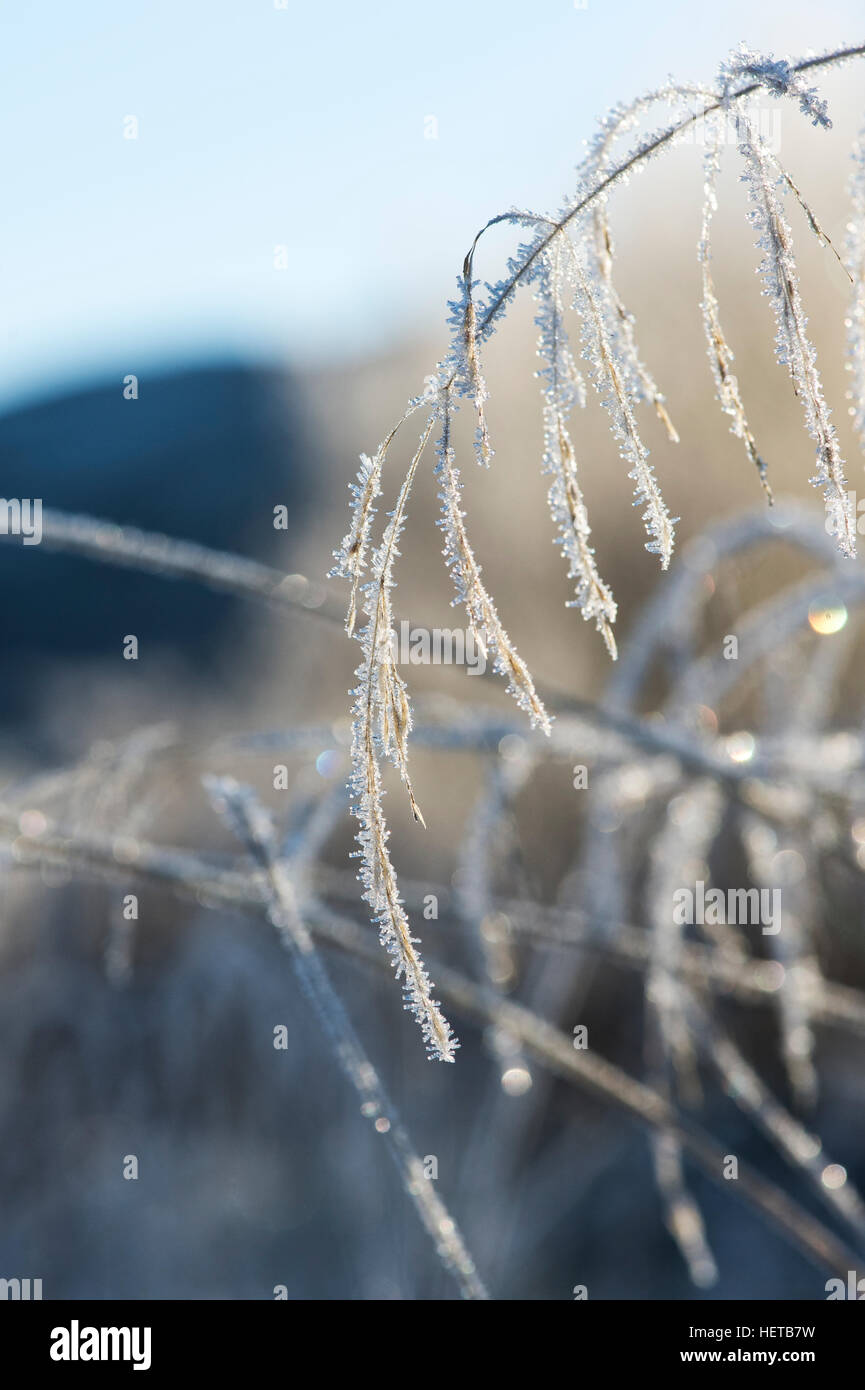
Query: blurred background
point(259, 213)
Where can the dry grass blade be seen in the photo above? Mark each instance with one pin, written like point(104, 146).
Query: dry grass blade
point(380, 729)
point(385, 690)
point(819, 231)
point(351, 556)
point(484, 621)
point(563, 387)
point(720, 352)
point(610, 386)
point(186, 875)
point(624, 325)
point(470, 354)
point(855, 247)
point(252, 823)
point(794, 348)
point(802, 1148)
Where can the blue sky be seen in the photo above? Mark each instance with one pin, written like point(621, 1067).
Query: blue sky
point(302, 127)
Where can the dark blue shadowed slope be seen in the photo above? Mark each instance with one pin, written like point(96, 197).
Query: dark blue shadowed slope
point(203, 454)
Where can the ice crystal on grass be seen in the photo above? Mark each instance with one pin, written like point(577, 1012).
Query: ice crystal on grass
point(567, 262)
point(621, 326)
point(351, 555)
point(382, 721)
point(253, 825)
point(793, 346)
point(468, 378)
point(666, 799)
point(483, 618)
point(605, 373)
point(779, 77)
point(720, 352)
point(677, 858)
point(856, 263)
point(791, 948)
point(563, 387)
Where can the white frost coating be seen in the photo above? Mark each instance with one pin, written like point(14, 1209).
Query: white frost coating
point(606, 376)
point(351, 556)
point(856, 265)
point(677, 858)
point(563, 388)
point(719, 351)
point(484, 620)
point(253, 824)
point(793, 347)
point(568, 261)
point(778, 77)
point(381, 724)
point(466, 362)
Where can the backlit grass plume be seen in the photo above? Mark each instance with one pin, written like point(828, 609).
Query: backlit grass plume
point(586, 335)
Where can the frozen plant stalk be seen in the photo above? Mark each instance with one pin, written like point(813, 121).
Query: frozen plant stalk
point(568, 260)
point(794, 348)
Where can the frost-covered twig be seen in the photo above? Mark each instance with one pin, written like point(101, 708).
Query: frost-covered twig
point(856, 259)
point(382, 720)
point(152, 553)
point(544, 1042)
point(483, 618)
point(677, 858)
point(119, 858)
point(575, 249)
point(555, 1050)
point(794, 348)
point(803, 1149)
point(643, 151)
point(610, 385)
point(351, 556)
point(720, 353)
point(245, 814)
point(793, 874)
point(563, 387)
